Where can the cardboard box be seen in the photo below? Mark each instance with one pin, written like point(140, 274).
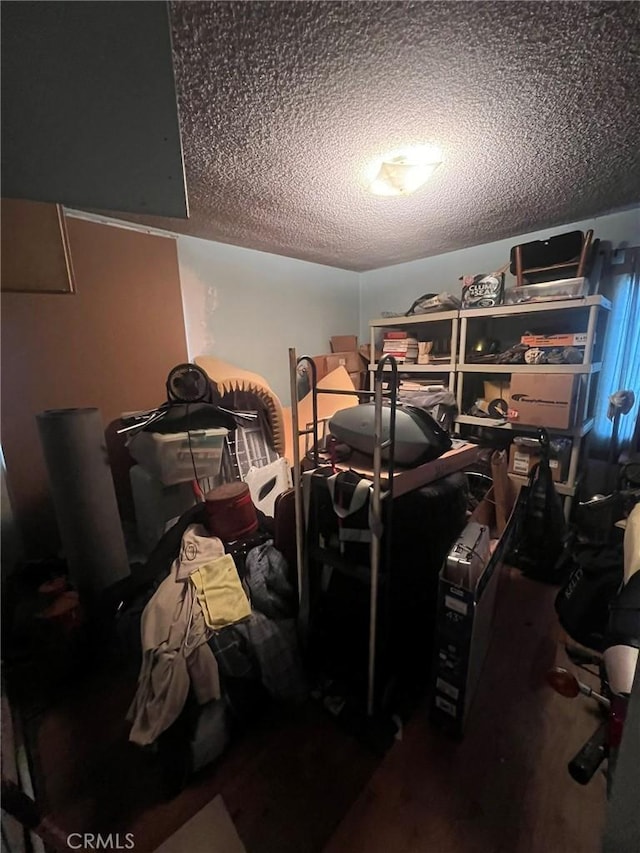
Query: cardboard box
point(546, 400)
point(496, 390)
point(328, 405)
point(463, 629)
point(358, 380)
point(344, 343)
point(350, 360)
point(522, 458)
point(570, 339)
point(320, 362)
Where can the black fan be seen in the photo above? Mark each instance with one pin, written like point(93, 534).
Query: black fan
point(188, 383)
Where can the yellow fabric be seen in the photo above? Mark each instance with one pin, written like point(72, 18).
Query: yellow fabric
point(220, 593)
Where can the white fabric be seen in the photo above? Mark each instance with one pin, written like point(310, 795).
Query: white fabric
point(175, 653)
point(198, 548)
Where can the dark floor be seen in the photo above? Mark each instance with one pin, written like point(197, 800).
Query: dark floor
point(505, 787)
point(286, 783)
point(300, 784)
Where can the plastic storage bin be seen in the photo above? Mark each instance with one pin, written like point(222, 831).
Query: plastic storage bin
point(156, 504)
point(168, 458)
point(566, 288)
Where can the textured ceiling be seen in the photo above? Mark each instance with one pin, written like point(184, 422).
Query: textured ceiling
point(535, 105)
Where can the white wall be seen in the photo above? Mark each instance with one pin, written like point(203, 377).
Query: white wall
point(248, 307)
point(395, 288)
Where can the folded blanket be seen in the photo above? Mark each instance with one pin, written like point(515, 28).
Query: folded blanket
point(220, 593)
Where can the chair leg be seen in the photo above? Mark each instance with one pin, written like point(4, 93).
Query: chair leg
point(519, 266)
point(586, 246)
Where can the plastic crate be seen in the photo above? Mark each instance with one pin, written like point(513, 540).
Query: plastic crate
point(169, 459)
point(156, 504)
point(566, 288)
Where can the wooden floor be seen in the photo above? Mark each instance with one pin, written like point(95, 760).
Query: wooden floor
point(505, 787)
point(301, 785)
point(286, 783)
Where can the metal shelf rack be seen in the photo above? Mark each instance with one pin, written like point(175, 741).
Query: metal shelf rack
point(380, 498)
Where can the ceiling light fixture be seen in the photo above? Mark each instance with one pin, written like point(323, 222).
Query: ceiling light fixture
point(403, 171)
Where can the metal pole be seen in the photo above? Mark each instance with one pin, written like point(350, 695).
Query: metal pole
point(375, 541)
point(297, 479)
point(454, 355)
point(377, 527)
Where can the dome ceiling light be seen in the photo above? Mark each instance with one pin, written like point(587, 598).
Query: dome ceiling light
point(403, 171)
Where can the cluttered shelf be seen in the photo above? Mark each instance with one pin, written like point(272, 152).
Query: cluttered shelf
point(413, 319)
point(440, 367)
point(526, 307)
point(491, 367)
point(403, 337)
point(517, 359)
point(578, 431)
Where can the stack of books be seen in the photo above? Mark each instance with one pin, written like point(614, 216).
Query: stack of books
point(426, 386)
point(402, 347)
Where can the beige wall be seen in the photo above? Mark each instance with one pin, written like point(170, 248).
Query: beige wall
point(109, 345)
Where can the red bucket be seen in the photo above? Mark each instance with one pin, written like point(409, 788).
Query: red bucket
point(230, 512)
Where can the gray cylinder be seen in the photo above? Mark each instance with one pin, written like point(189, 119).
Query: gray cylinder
point(84, 497)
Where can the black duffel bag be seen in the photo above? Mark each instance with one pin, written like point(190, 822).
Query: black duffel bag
point(583, 602)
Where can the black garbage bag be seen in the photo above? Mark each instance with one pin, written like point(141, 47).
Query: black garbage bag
point(540, 527)
point(583, 603)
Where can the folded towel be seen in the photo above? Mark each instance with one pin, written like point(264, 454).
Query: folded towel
point(220, 593)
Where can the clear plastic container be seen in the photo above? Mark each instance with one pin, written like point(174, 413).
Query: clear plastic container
point(566, 288)
point(169, 459)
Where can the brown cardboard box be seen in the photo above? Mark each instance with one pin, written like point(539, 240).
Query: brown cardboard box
point(358, 380)
point(320, 362)
point(523, 458)
point(546, 400)
point(350, 360)
point(328, 405)
point(344, 343)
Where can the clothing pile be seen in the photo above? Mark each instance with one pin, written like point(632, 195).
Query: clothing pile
point(205, 625)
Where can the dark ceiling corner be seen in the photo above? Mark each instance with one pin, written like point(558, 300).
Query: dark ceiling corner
point(89, 112)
